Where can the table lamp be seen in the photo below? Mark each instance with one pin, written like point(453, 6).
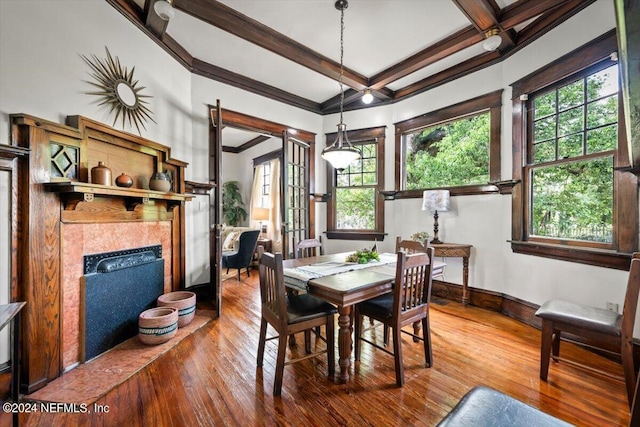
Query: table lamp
point(260, 214)
point(434, 201)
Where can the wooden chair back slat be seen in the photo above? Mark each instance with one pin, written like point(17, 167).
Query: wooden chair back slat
point(272, 289)
point(308, 248)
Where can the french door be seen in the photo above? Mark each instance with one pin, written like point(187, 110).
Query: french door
point(296, 207)
point(295, 203)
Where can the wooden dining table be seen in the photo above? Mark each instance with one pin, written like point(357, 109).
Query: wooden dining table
point(344, 289)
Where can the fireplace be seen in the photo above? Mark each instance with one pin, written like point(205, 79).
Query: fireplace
point(65, 216)
point(115, 289)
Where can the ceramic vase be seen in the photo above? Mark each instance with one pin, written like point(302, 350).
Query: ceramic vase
point(101, 174)
point(157, 325)
point(124, 180)
point(184, 301)
point(160, 182)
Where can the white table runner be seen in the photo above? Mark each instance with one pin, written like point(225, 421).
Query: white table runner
point(299, 277)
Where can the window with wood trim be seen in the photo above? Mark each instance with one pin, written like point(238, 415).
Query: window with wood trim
point(457, 147)
point(355, 209)
point(574, 201)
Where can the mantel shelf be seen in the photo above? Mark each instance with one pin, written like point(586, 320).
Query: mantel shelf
point(75, 192)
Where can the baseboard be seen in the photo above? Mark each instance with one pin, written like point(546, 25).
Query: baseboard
point(514, 308)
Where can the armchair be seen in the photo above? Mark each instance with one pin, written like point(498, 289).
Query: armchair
point(242, 257)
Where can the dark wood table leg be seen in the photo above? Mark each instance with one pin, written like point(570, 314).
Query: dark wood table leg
point(344, 342)
point(465, 280)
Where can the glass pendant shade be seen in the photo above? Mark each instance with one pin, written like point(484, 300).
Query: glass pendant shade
point(341, 153)
point(164, 9)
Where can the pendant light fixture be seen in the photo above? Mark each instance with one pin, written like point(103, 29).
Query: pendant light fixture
point(341, 153)
point(164, 9)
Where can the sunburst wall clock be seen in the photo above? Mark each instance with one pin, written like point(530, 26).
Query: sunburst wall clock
point(119, 91)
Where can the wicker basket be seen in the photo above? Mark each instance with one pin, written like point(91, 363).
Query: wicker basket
point(157, 325)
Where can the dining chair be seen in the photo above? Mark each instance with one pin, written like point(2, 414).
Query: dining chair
point(605, 330)
point(412, 246)
point(407, 303)
point(242, 257)
point(308, 247)
point(290, 316)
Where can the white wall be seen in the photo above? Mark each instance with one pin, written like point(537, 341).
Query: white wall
point(485, 221)
point(41, 73)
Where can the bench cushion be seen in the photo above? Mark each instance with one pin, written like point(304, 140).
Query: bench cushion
point(484, 406)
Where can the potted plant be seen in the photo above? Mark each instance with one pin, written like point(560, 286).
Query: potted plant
point(232, 205)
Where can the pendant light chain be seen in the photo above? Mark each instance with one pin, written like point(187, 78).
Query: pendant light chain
point(341, 60)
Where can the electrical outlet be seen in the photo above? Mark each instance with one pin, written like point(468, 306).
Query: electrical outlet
point(612, 306)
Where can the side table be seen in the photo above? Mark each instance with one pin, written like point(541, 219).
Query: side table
point(266, 245)
point(457, 250)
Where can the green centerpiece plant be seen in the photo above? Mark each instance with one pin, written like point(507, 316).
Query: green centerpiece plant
point(363, 256)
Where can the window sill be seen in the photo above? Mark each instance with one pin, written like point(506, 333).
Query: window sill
point(590, 256)
point(355, 235)
point(455, 191)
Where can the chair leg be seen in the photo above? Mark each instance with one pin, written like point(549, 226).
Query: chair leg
point(545, 348)
point(307, 341)
point(261, 343)
point(282, 349)
point(626, 353)
point(416, 331)
point(248, 273)
point(357, 333)
point(385, 335)
point(239, 274)
point(397, 354)
point(555, 343)
point(426, 333)
point(331, 347)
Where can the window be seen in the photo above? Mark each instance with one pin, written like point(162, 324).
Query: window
point(574, 202)
point(457, 147)
point(266, 184)
point(574, 135)
point(356, 208)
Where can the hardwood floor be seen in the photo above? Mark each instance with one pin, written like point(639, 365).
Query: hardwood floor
point(210, 378)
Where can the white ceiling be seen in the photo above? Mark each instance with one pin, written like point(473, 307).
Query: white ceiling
point(378, 34)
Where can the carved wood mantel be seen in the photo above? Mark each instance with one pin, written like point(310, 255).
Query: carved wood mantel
point(54, 193)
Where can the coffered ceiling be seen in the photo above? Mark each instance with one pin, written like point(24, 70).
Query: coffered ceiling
point(289, 50)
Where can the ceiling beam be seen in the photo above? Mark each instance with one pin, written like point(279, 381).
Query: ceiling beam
point(440, 50)
point(523, 10)
point(249, 144)
point(196, 66)
point(452, 73)
point(233, 22)
point(225, 76)
point(550, 20)
point(483, 14)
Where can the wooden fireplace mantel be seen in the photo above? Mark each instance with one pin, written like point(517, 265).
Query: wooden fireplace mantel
point(74, 192)
point(54, 192)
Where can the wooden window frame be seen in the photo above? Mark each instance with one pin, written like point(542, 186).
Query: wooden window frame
point(490, 102)
point(625, 220)
point(376, 135)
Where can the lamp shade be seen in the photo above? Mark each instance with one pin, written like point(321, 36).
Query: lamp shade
point(260, 214)
point(436, 200)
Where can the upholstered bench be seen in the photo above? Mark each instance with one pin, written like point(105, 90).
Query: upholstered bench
point(484, 406)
